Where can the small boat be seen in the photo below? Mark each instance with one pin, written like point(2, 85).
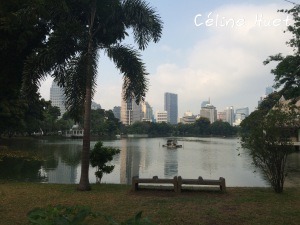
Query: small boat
point(172, 143)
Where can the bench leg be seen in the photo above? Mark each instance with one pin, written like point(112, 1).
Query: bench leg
point(135, 184)
point(222, 185)
point(179, 184)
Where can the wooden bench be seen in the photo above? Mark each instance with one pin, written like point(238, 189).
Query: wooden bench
point(201, 181)
point(136, 181)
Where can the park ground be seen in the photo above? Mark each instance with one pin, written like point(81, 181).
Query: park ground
point(205, 206)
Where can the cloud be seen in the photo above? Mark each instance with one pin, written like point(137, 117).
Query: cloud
point(227, 65)
point(223, 63)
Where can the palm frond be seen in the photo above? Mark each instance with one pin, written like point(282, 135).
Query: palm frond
point(36, 68)
point(128, 61)
point(62, 45)
point(146, 24)
point(73, 79)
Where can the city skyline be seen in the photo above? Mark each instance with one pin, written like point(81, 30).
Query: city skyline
point(213, 60)
point(144, 109)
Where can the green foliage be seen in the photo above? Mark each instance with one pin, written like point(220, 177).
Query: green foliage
point(222, 128)
point(286, 73)
point(18, 39)
point(76, 215)
point(103, 122)
point(201, 127)
point(22, 165)
point(79, 30)
point(59, 215)
point(100, 156)
point(267, 137)
point(266, 132)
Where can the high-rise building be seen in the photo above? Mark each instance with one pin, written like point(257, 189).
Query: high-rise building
point(57, 98)
point(130, 112)
point(229, 115)
point(117, 112)
point(221, 116)
point(209, 112)
point(171, 106)
point(244, 110)
point(204, 103)
point(147, 112)
point(240, 115)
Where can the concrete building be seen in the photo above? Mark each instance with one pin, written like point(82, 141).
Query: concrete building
point(204, 103)
point(171, 106)
point(117, 112)
point(57, 98)
point(130, 111)
point(188, 118)
point(209, 112)
point(230, 115)
point(147, 112)
point(221, 116)
point(244, 110)
point(161, 117)
point(240, 115)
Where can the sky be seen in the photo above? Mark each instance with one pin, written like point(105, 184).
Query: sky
point(209, 50)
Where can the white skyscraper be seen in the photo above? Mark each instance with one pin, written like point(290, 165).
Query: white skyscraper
point(57, 98)
point(130, 112)
point(230, 115)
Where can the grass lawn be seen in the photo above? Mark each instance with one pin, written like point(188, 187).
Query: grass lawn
point(236, 206)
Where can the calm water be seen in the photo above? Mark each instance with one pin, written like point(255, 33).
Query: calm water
point(210, 158)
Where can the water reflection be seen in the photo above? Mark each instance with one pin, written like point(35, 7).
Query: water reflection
point(210, 158)
point(63, 173)
point(21, 170)
point(171, 163)
point(62, 160)
point(130, 161)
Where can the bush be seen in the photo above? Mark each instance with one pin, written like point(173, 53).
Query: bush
point(100, 156)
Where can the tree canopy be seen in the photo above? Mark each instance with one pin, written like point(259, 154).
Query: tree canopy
point(267, 132)
point(287, 71)
point(78, 31)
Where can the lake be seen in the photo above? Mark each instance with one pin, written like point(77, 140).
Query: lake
point(210, 158)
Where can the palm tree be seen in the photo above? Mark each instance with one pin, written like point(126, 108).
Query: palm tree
point(79, 30)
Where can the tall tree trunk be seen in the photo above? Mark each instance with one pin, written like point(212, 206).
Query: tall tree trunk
point(84, 184)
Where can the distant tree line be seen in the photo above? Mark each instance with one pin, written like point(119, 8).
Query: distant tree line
point(43, 118)
point(202, 127)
